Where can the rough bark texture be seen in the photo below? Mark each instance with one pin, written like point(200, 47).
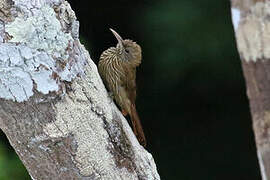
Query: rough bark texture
point(252, 29)
point(63, 125)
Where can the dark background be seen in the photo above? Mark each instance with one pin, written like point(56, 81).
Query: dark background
point(191, 92)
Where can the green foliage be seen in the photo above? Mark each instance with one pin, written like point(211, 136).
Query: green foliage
point(194, 80)
point(186, 37)
point(11, 168)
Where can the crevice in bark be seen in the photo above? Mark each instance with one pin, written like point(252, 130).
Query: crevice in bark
point(5, 10)
point(120, 147)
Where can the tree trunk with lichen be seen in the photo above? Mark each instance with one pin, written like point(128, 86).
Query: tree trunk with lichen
point(54, 108)
point(252, 30)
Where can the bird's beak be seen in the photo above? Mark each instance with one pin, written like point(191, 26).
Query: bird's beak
point(118, 37)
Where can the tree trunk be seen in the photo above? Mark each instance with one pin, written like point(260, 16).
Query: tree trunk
point(54, 108)
point(252, 30)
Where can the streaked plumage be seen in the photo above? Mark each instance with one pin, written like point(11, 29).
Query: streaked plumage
point(117, 67)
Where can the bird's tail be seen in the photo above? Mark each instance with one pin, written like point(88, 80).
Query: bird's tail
point(137, 127)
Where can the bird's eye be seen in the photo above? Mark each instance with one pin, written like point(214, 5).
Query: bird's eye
point(127, 51)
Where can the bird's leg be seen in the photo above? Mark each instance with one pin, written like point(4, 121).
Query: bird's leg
point(124, 112)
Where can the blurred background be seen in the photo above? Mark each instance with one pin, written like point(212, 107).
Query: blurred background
point(191, 92)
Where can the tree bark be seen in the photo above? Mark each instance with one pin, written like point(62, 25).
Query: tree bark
point(252, 30)
point(54, 108)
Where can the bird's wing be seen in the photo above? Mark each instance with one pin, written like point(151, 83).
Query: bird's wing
point(130, 83)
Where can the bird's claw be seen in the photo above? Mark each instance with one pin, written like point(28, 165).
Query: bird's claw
point(111, 96)
point(124, 112)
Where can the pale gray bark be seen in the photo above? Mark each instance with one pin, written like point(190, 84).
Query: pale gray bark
point(252, 30)
point(54, 108)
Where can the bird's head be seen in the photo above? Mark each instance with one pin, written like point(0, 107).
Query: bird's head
point(128, 50)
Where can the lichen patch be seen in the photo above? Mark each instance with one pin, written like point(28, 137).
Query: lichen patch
point(41, 32)
point(236, 15)
point(31, 57)
point(253, 32)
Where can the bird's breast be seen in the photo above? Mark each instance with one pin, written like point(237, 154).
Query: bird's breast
point(111, 69)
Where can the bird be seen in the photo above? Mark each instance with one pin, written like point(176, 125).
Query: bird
point(117, 68)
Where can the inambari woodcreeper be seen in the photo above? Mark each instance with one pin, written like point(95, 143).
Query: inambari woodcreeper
point(117, 67)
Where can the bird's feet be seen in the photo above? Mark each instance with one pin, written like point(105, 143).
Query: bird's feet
point(124, 112)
